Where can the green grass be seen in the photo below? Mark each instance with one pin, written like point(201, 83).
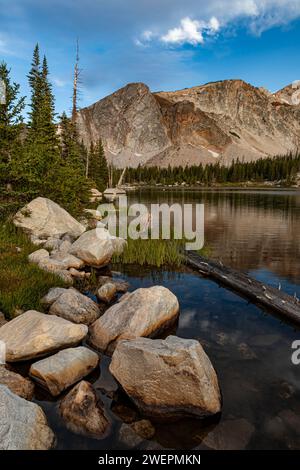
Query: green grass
point(156, 253)
point(22, 284)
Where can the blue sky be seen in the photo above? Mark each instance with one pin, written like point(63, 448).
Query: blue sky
point(167, 44)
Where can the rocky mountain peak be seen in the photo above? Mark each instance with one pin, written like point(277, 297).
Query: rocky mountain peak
point(290, 94)
point(221, 120)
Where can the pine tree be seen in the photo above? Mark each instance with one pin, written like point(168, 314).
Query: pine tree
point(35, 83)
point(98, 168)
point(71, 150)
point(10, 116)
point(47, 128)
point(40, 152)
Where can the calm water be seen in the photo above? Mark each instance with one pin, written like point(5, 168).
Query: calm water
point(256, 232)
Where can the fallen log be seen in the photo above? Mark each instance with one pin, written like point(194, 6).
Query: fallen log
point(262, 294)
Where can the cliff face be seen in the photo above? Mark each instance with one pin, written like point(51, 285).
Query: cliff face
point(215, 122)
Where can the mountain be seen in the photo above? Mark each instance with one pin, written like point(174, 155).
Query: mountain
point(219, 121)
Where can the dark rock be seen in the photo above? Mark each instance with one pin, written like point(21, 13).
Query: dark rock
point(83, 413)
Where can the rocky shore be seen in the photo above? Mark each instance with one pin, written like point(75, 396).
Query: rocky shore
point(164, 377)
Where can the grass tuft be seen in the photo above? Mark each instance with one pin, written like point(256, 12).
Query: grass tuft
point(156, 253)
point(22, 284)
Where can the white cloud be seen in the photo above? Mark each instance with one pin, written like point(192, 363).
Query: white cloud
point(214, 24)
point(257, 15)
point(191, 31)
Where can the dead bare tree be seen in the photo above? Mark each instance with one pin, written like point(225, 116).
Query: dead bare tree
point(75, 85)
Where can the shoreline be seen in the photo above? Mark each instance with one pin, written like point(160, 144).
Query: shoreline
point(210, 188)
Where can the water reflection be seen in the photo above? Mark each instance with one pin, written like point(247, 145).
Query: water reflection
point(247, 230)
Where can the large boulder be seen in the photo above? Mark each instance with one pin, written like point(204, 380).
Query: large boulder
point(44, 218)
point(96, 247)
point(75, 307)
point(58, 372)
point(16, 383)
point(34, 334)
point(93, 250)
point(83, 413)
point(142, 313)
point(172, 377)
point(23, 425)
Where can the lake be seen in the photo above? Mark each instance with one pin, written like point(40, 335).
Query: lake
point(253, 231)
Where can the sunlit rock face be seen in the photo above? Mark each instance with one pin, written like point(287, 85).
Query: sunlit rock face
point(172, 378)
point(218, 121)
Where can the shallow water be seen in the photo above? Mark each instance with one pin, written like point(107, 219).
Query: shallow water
point(251, 350)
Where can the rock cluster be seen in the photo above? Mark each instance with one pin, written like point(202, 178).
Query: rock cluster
point(67, 246)
point(164, 378)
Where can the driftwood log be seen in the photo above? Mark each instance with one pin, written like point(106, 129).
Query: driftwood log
point(273, 299)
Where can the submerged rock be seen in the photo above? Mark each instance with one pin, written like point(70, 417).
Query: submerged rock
point(172, 377)
point(246, 352)
point(230, 435)
point(34, 334)
point(121, 286)
point(16, 383)
point(83, 413)
point(137, 435)
point(23, 425)
point(93, 250)
point(107, 292)
point(128, 437)
point(141, 313)
point(58, 372)
point(143, 428)
point(126, 414)
point(44, 218)
point(75, 307)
